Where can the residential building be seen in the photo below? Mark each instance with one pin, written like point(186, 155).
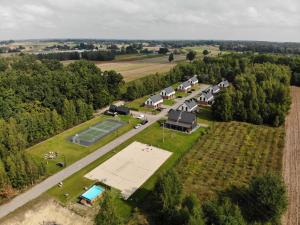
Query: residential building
point(181, 120)
point(184, 87)
point(154, 101)
point(168, 93)
point(189, 106)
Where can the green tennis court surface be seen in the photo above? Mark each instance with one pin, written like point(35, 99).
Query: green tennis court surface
point(96, 132)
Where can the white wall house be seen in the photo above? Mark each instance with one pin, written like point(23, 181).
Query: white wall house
point(194, 80)
point(184, 87)
point(189, 106)
point(224, 84)
point(167, 93)
point(213, 89)
point(154, 101)
point(206, 98)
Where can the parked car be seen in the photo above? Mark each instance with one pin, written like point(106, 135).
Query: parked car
point(137, 126)
point(141, 116)
point(144, 122)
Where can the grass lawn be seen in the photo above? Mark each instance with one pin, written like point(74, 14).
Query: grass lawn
point(153, 135)
point(169, 102)
point(138, 105)
point(230, 154)
point(70, 152)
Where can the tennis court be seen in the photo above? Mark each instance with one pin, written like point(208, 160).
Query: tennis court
point(96, 132)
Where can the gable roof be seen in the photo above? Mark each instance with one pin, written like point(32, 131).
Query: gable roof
point(156, 98)
point(207, 95)
point(225, 83)
point(194, 79)
point(181, 116)
point(119, 109)
point(169, 90)
point(190, 103)
point(215, 88)
point(185, 84)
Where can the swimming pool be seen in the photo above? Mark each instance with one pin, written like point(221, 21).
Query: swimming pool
point(93, 193)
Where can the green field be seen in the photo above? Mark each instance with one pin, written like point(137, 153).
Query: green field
point(69, 152)
point(230, 154)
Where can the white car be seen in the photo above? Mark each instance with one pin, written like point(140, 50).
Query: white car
point(137, 126)
point(141, 116)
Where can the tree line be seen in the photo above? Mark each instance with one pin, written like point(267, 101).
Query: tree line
point(39, 99)
point(260, 95)
point(87, 55)
point(262, 201)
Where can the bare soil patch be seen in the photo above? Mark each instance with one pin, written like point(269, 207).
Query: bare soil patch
point(47, 212)
point(291, 160)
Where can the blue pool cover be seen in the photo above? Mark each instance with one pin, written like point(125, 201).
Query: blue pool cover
point(93, 193)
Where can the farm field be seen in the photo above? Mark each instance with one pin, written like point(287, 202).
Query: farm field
point(134, 69)
point(69, 152)
point(229, 155)
point(291, 160)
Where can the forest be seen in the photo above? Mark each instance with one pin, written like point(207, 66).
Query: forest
point(39, 99)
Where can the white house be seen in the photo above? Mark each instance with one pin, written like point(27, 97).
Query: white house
point(194, 80)
point(223, 84)
point(184, 87)
point(188, 106)
point(206, 98)
point(154, 101)
point(167, 93)
point(213, 90)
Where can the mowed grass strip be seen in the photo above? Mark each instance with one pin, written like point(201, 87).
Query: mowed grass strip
point(230, 155)
point(69, 152)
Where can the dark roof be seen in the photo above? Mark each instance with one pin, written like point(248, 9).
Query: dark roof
point(181, 116)
point(119, 109)
point(113, 108)
point(123, 110)
point(169, 90)
point(155, 98)
point(186, 84)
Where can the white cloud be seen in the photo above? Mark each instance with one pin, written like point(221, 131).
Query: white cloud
point(161, 19)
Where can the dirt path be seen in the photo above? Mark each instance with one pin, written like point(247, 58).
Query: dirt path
point(291, 160)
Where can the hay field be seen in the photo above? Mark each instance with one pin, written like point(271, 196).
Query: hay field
point(134, 69)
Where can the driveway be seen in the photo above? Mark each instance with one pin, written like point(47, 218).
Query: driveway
point(53, 180)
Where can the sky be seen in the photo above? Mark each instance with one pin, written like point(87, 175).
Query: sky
point(268, 20)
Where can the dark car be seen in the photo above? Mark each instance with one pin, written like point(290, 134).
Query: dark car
point(144, 122)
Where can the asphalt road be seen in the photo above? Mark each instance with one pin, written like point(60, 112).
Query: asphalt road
point(53, 180)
